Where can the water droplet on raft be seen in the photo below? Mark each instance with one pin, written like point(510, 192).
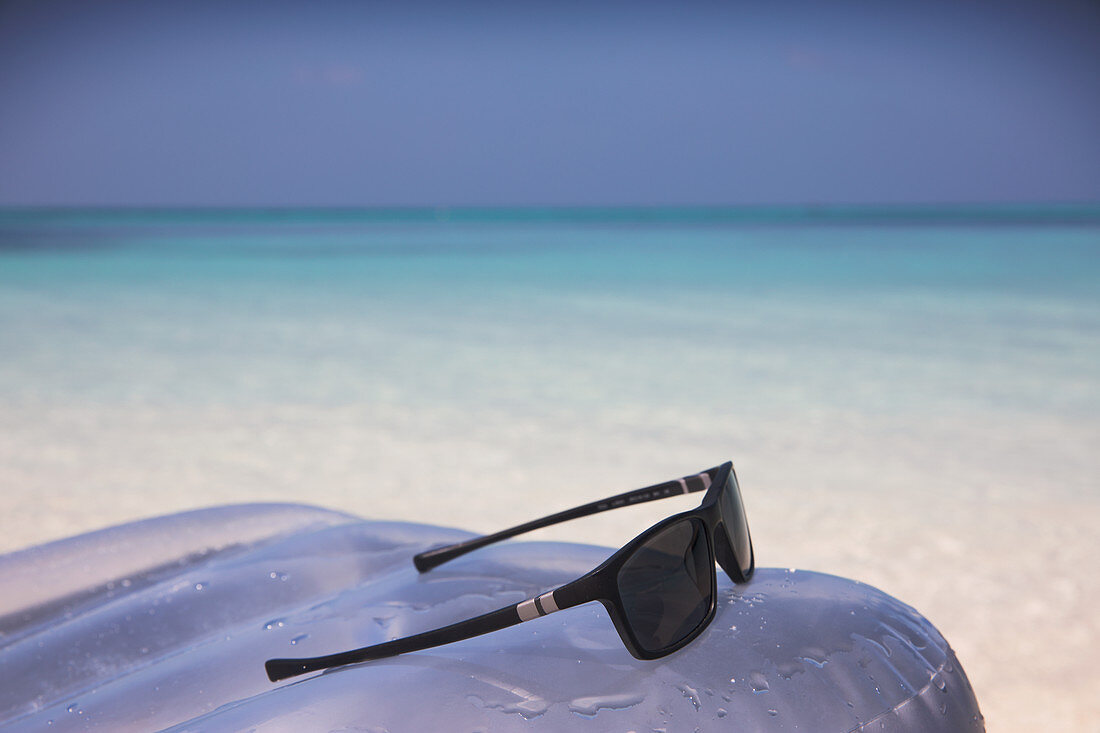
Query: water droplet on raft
point(296, 639)
point(758, 682)
point(275, 623)
point(940, 682)
point(588, 707)
point(690, 694)
point(275, 575)
point(126, 583)
point(200, 586)
point(71, 708)
point(722, 712)
point(773, 712)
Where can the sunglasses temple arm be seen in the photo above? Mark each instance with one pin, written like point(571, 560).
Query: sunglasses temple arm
point(567, 596)
point(688, 484)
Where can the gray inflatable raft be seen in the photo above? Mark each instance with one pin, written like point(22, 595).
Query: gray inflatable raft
point(166, 624)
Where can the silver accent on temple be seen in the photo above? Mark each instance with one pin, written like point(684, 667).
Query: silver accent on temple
point(527, 610)
point(535, 607)
point(546, 600)
point(704, 477)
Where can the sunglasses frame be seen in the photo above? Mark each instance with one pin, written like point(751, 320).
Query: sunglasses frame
point(600, 584)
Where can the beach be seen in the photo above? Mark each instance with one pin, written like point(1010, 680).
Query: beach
point(910, 404)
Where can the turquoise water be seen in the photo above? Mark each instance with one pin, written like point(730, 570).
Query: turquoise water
point(599, 311)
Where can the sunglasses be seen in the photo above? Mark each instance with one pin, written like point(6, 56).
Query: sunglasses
point(659, 589)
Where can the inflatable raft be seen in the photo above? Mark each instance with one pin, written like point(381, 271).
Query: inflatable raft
point(166, 624)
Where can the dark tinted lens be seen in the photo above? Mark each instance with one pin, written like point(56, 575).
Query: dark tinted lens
point(667, 584)
point(737, 527)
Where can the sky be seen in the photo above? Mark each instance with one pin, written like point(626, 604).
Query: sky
point(793, 102)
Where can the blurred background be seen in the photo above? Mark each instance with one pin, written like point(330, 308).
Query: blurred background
point(472, 265)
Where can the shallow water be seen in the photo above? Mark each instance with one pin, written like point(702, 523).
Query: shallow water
point(913, 404)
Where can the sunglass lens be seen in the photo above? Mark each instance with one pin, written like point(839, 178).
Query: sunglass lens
point(737, 527)
point(667, 585)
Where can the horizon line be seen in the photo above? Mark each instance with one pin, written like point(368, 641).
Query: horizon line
point(1061, 212)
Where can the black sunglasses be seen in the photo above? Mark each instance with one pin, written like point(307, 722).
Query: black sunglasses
point(659, 589)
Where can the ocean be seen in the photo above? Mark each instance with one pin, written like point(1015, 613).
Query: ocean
point(911, 396)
